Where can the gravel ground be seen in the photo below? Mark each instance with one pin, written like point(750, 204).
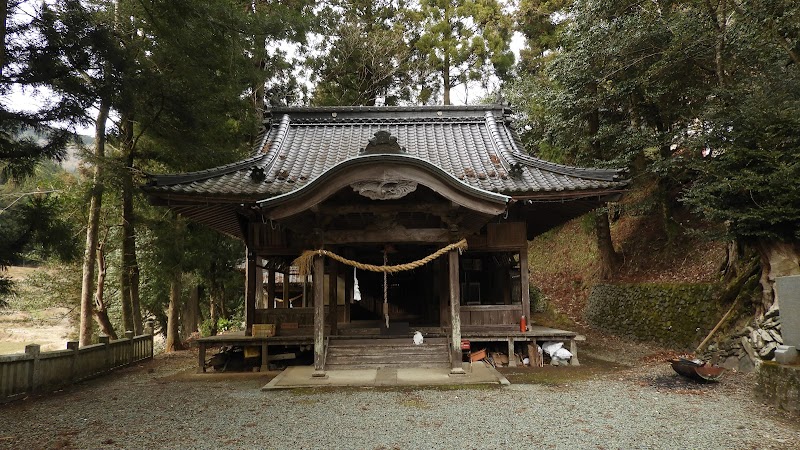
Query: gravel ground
point(163, 404)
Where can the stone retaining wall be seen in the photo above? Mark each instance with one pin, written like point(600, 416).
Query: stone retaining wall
point(779, 385)
point(676, 315)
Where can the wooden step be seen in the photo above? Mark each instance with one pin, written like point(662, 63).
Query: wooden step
point(402, 365)
point(387, 352)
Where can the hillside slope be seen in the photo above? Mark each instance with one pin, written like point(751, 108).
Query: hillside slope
point(564, 261)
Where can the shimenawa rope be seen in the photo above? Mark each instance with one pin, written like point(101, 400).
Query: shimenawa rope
point(303, 262)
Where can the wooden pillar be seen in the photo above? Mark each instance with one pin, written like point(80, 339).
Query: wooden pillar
point(319, 317)
point(264, 357)
point(442, 292)
point(456, 368)
point(305, 291)
point(348, 292)
point(271, 289)
point(512, 358)
point(286, 293)
point(260, 303)
point(524, 283)
point(250, 292)
point(333, 297)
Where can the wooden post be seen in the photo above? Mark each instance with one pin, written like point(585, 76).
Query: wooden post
point(148, 330)
point(319, 317)
point(512, 358)
point(524, 283)
point(129, 337)
point(456, 368)
point(305, 291)
point(250, 292)
point(201, 357)
point(573, 348)
point(260, 303)
point(106, 341)
point(264, 356)
point(348, 292)
point(271, 289)
point(333, 297)
point(33, 351)
point(286, 293)
point(73, 367)
point(442, 292)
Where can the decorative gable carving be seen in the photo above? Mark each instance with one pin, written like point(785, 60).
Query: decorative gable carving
point(384, 189)
point(383, 143)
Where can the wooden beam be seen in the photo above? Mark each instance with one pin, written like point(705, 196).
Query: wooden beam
point(314, 195)
point(436, 209)
point(456, 367)
point(319, 317)
point(423, 235)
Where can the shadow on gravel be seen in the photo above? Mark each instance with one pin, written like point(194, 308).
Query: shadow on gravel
point(590, 369)
point(675, 382)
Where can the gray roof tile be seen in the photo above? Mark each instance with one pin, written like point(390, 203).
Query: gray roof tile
point(474, 143)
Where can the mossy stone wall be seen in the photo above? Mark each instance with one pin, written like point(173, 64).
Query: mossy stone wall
point(675, 315)
point(779, 385)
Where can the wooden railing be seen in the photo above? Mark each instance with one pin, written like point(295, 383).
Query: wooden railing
point(490, 314)
point(26, 373)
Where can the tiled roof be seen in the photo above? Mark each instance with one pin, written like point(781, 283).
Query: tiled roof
point(475, 144)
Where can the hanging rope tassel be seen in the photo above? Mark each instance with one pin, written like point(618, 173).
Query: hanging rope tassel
point(304, 261)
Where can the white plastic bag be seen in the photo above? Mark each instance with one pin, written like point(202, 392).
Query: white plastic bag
point(563, 353)
point(417, 338)
point(552, 347)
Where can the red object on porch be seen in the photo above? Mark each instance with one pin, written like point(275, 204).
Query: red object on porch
point(523, 324)
point(465, 344)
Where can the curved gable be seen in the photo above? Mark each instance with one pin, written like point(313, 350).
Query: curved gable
point(383, 170)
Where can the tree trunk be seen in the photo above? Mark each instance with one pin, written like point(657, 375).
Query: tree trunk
point(259, 52)
point(128, 240)
point(213, 311)
point(100, 311)
point(176, 273)
point(609, 259)
point(85, 332)
point(719, 13)
point(138, 322)
point(173, 339)
point(190, 316)
point(778, 259)
point(446, 78)
point(4, 18)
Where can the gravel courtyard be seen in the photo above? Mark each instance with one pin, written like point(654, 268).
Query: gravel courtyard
point(163, 404)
